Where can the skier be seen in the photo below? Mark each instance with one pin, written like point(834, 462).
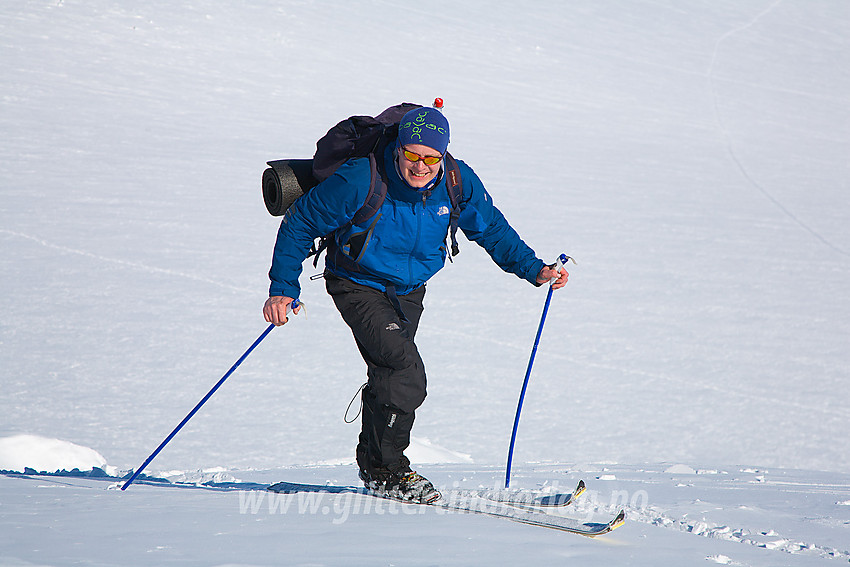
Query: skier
point(376, 274)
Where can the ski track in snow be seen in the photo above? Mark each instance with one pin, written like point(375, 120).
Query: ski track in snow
point(126, 263)
point(695, 522)
point(737, 393)
point(736, 30)
point(729, 142)
point(765, 539)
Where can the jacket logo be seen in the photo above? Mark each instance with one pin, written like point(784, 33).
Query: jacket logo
point(392, 327)
point(444, 210)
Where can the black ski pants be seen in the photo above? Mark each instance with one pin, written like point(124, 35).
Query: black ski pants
point(396, 373)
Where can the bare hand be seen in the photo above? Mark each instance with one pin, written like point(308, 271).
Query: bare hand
point(276, 308)
point(549, 272)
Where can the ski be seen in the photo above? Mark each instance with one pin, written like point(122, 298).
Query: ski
point(518, 498)
point(530, 499)
point(519, 511)
point(512, 497)
point(477, 502)
point(588, 529)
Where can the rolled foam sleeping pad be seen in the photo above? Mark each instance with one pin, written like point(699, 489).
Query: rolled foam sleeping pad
point(284, 181)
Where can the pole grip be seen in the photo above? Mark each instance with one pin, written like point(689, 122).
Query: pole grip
point(560, 264)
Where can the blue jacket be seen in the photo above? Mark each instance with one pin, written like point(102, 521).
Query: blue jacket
point(407, 244)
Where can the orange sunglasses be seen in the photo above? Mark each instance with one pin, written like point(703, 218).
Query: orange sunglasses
point(427, 160)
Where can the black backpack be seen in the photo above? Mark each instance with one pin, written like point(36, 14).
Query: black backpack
point(357, 136)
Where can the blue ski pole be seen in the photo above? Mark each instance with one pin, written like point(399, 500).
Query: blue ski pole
point(202, 402)
point(562, 259)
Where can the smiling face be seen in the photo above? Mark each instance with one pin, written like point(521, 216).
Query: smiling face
point(417, 173)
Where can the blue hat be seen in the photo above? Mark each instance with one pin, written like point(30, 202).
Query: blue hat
point(426, 126)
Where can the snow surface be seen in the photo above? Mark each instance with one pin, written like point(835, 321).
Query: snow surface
point(691, 156)
point(19, 452)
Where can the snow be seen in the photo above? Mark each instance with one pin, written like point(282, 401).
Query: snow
point(680, 469)
point(20, 452)
point(692, 157)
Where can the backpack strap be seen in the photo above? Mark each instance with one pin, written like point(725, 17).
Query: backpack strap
point(370, 207)
point(375, 197)
point(455, 186)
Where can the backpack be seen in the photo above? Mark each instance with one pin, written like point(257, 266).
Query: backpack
point(357, 136)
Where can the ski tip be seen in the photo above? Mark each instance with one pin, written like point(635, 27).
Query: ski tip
point(580, 488)
point(618, 521)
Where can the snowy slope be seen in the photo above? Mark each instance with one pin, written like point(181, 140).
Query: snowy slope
point(677, 515)
point(691, 156)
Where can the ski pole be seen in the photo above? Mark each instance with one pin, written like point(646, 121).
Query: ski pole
point(202, 402)
point(559, 263)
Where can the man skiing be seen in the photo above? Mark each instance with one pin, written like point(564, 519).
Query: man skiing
point(376, 273)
